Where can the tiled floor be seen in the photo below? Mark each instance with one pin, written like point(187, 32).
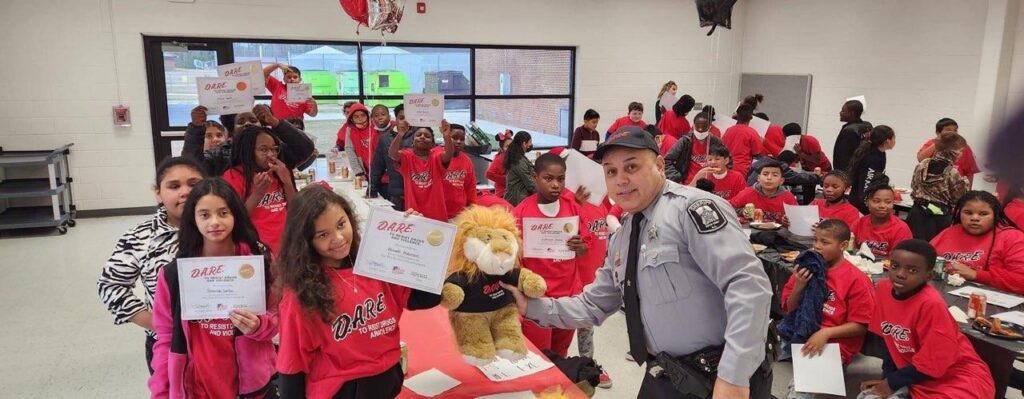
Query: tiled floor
point(58, 340)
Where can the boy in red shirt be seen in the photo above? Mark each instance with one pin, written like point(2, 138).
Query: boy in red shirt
point(767, 194)
point(665, 142)
point(848, 303)
point(728, 183)
point(562, 276)
point(421, 171)
point(966, 164)
point(834, 204)
point(459, 177)
point(927, 354)
point(983, 245)
point(881, 229)
point(634, 118)
point(279, 93)
point(742, 140)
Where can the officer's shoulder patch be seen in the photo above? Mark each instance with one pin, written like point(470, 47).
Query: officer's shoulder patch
point(706, 216)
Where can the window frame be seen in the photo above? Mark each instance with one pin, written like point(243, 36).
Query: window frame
point(225, 50)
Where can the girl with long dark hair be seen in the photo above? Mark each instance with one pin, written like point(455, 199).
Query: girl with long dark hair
point(519, 170)
point(339, 330)
point(983, 244)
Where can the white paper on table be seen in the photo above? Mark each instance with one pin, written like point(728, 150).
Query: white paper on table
point(994, 297)
point(545, 238)
point(424, 109)
point(224, 95)
point(210, 288)
point(961, 317)
point(862, 100)
point(411, 251)
point(583, 171)
point(299, 92)
point(430, 383)
point(251, 70)
point(760, 125)
point(802, 219)
point(1015, 317)
point(667, 100)
point(820, 374)
point(723, 122)
point(510, 395)
point(504, 369)
point(588, 145)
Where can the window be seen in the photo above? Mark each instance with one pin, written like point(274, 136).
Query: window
point(545, 119)
point(498, 87)
point(399, 70)
point(504, 84)
point(181, 68)
point(528, 71)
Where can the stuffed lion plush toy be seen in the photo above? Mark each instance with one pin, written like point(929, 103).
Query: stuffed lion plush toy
point(482, 313)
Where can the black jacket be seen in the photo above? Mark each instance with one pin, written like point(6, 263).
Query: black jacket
point(677, 160)
point(296, 148)
point(846, 143)
point(869, 171)
point(382, 164)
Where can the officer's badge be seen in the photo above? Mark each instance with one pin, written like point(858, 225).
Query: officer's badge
point(706, 216)
point(652, 234)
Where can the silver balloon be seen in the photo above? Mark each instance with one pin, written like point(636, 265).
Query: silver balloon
point(385, 14)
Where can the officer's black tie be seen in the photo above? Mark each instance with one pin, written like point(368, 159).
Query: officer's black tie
point(634, 323)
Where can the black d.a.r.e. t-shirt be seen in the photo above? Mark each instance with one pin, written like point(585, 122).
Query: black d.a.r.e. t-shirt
point(484, 293)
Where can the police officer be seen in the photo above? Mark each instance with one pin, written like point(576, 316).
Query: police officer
point(688, 278)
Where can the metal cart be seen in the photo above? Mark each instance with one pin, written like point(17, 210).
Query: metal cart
point(56, 186)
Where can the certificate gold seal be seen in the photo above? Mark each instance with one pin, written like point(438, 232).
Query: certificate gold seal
point(241, 86)
point(568, 228)
point(246, 271)
point(435, 237)
point(435, 102)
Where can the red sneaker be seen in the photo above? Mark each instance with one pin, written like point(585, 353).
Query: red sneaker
point(605, 381)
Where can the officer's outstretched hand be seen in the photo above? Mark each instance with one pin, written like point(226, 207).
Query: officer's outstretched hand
point(724, 390)
point(518, 295)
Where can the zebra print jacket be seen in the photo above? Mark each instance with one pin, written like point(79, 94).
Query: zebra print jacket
point(140, 253)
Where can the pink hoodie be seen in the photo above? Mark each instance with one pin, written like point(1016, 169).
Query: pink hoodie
point(255, 352)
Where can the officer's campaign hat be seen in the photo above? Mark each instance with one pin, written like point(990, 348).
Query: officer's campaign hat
point(630, 137)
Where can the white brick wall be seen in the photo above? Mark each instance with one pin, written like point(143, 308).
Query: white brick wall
point(915, 60)
point(1015, 100)
point(59, 84)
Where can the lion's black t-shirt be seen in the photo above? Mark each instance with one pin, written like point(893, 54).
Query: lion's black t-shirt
point(484, 294)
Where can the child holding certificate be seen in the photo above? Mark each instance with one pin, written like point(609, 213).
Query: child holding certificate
point(339, 331)
point(562, 276)
point(214, 358)
point(279, 93)
point(422, 171)
point(262, 180)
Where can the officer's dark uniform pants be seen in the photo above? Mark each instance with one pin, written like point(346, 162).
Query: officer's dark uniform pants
point(661, 388)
